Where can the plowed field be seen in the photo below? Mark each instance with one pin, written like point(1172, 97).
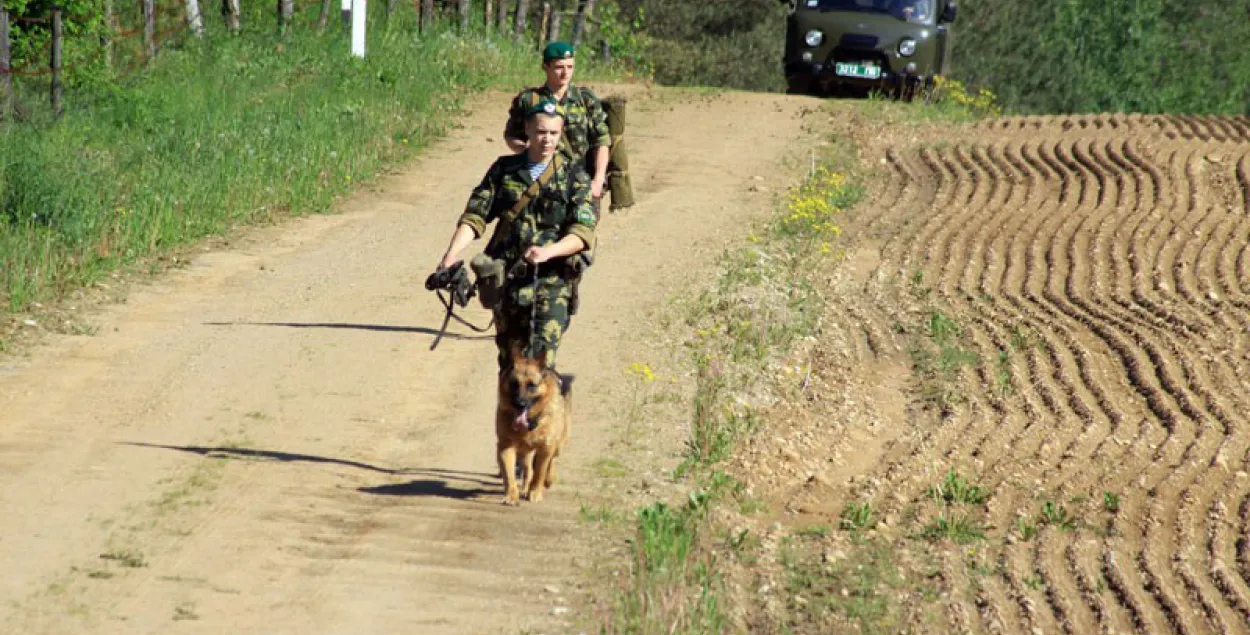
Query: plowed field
point(1101, 267)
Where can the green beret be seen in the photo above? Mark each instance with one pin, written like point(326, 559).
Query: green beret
point(557, 51)
point(545, 107)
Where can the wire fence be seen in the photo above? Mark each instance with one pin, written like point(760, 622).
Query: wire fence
point(127, 41)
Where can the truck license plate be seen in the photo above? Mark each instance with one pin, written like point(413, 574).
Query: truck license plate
point(862, 71)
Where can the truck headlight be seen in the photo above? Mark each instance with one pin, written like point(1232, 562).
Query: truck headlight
point(907, 47)
point(814, 38)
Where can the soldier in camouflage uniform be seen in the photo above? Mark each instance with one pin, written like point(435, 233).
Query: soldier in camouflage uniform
point(543, 207)
point(586, 137)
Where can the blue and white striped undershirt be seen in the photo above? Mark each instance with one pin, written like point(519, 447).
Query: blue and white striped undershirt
point(536, 169)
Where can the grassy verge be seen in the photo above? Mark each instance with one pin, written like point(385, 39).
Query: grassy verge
point(763, 305)
point(950, 101)
point(221, 133)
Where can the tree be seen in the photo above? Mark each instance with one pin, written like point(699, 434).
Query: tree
point(286, 14)
point(427, 14)
point(323, 20)
point(502, 18)
point(194, 20)
point(579, 28)
point(230, 9)
point(522, 11)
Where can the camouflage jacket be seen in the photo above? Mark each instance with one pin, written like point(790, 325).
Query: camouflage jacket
point(586, 123)
point(561, 208)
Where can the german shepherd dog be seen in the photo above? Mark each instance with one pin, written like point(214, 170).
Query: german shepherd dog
point(532, 421)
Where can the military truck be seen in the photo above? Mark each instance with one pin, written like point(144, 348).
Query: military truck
point(894, 46)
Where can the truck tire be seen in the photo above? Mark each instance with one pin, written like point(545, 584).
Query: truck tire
point(799, 84)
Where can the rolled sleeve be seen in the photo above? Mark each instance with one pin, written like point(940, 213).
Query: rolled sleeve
point(474, 222)
point(585, 232)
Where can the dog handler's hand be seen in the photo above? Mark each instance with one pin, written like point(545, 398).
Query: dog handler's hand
point(537, 255)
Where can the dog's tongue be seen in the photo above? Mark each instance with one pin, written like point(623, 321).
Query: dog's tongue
point(522, 422)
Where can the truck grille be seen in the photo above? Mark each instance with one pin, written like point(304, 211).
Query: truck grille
point(857, 41)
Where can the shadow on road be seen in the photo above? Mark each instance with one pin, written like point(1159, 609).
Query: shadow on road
point(250, 454)
point(379, 328)
point(429, 487)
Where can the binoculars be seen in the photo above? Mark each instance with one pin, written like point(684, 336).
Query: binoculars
point(454, 280)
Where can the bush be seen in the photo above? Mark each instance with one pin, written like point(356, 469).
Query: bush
point(1146, 56)
point(734, 44)
point(229, 130)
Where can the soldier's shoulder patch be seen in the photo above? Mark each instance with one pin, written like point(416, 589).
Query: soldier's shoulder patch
point(586, 216)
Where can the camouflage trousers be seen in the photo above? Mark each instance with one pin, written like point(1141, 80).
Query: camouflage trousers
point(516, 316)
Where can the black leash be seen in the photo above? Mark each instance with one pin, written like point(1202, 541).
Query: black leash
point(451, 314)
point(534, 307)
point(456, 283)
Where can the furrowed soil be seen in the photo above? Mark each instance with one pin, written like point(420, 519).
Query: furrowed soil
point(1058, 310)
point(263, 441)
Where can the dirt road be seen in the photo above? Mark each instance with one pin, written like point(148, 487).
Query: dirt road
point(1100, 268)
point(262, 442)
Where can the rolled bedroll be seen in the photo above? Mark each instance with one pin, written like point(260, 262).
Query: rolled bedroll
point(619, 183)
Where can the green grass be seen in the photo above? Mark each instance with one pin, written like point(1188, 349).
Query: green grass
point(221, 133)
point(598, 514)
point(666, 538)
point(958, 490)
point(856, 516)
point(1026, 528)
point(673, 588)
point(958, 528)
point(1058, 516)
point(942, 329)
point(610, 468)
point(1020, 340)
point(712, 433)
point(858, 593)
point(1002, 373)
point(1111, 502)
point(814, 531)
point(938, 352)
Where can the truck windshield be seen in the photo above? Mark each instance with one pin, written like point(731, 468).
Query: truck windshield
point(916, 11)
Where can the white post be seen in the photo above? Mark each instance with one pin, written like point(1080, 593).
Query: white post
point(347, 12)
point(358, 28)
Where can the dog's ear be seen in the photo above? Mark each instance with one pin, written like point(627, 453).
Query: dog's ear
point(517, 350)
